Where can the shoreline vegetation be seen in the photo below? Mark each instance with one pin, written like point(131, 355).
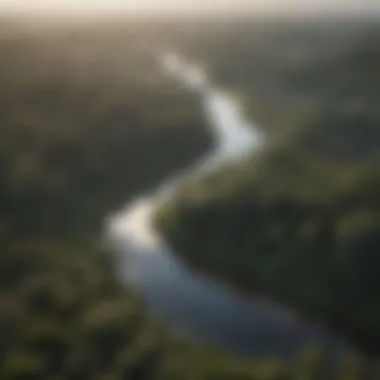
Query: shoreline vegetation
point(85, 126)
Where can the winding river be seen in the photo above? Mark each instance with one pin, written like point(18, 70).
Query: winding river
point(195, 304)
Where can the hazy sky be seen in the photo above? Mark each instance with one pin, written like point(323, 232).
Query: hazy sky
point(192, 6)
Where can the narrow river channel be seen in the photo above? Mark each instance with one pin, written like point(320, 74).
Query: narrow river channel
point(201, 307)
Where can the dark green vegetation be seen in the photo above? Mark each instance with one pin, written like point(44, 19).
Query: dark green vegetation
point(86, 114)
point(301, 221)
point(85, 125)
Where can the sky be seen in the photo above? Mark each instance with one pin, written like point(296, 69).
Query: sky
point(98, 7)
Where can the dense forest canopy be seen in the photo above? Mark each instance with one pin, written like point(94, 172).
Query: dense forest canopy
point(299, 221)
point(87, 122)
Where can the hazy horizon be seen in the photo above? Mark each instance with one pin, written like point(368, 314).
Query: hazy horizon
point(190, 7)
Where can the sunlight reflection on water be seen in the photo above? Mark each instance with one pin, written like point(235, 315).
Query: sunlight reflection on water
point(198, 304)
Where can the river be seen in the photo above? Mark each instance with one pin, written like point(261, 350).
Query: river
point(198, 305)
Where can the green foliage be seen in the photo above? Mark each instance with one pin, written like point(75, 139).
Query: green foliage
point(83, 129)
point(85, 126)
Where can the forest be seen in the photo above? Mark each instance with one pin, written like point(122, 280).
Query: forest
point(85, 126)
point(298, 221)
